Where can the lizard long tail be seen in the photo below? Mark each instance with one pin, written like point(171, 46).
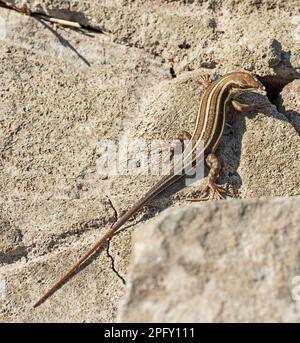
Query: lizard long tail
point(153, 192)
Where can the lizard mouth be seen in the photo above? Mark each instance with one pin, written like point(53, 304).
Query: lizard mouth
point(261, 90)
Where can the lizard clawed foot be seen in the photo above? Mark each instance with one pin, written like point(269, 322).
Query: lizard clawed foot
point(211, 191)
point(204, 80)
point(260, 105)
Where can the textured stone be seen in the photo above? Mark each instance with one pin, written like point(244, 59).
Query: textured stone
point(232, 261)
point(196, 34)
point(57, 102)
point(289, 103)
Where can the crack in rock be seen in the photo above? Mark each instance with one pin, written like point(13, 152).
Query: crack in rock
point(113, 263)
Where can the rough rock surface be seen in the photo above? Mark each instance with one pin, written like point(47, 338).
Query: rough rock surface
point(262, 36)
point(289, 103)
point(54, 110)
point(233, 261)
point(135, 74)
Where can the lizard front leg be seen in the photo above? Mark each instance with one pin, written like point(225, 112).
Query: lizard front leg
point(241, 107)
point(211, 190)
point(205, 80)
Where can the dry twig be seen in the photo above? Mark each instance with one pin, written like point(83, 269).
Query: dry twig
point(27, 11)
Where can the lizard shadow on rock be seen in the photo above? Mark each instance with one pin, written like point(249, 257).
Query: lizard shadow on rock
point(230, 148)
point(64, 42)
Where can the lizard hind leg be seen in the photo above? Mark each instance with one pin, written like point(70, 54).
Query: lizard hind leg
point(211, 190)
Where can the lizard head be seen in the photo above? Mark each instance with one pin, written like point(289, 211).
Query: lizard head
point(247, 82)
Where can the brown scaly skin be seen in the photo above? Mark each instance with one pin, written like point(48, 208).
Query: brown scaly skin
point(211, 190)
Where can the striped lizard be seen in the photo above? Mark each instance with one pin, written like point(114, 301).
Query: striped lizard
point(209, 129)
